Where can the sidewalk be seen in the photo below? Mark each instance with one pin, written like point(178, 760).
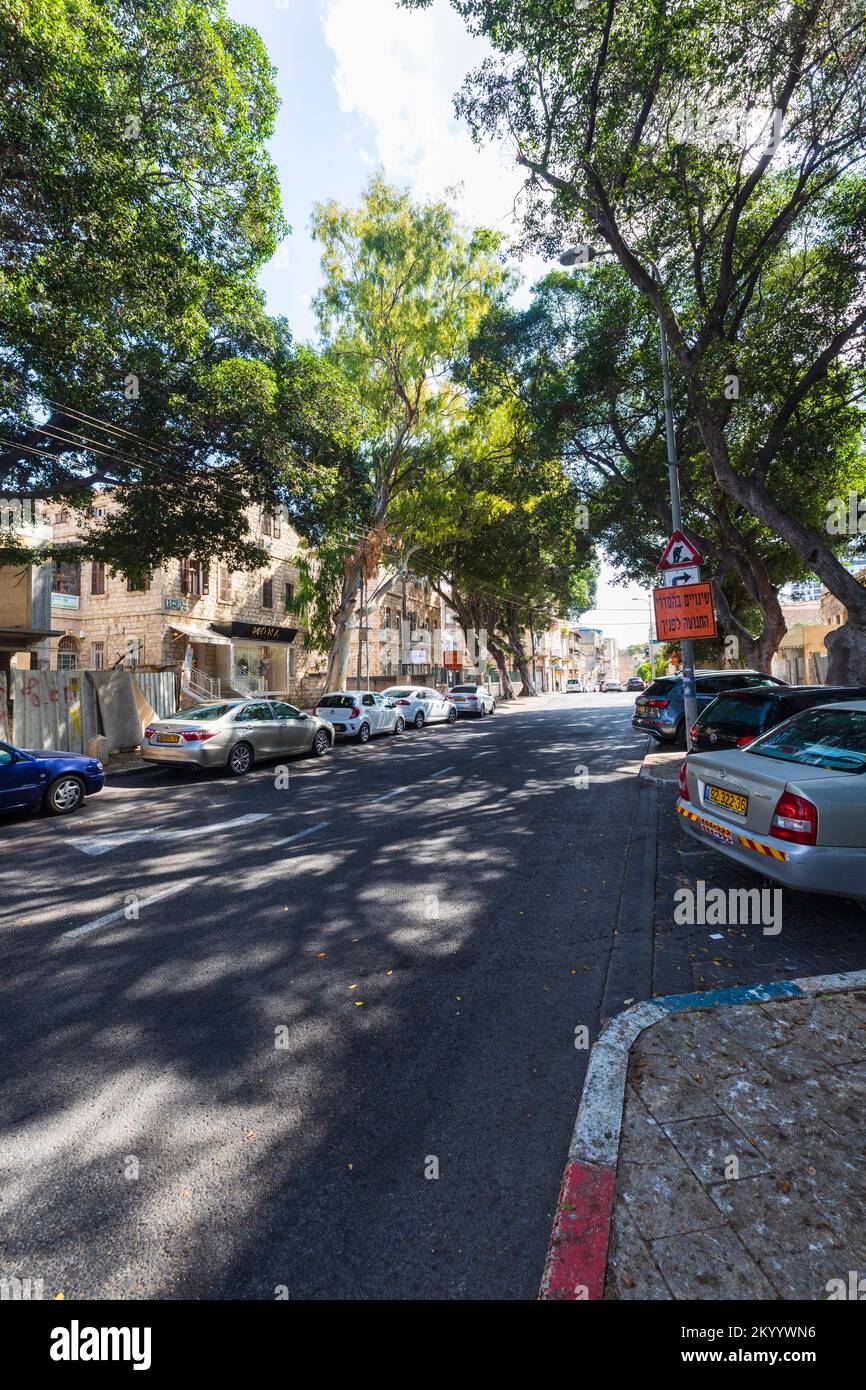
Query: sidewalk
point(742, 1163)
point(719, 1151)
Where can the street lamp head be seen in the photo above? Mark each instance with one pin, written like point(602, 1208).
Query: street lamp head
point(581, 254)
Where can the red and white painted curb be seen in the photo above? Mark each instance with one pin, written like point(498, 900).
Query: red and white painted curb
point(577, 1254)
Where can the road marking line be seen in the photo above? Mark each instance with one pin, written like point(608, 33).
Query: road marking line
point(398, 791)
point(320, 825)
point(122, 911)
point(485, 753)
point(91, 845)
point(442, 771)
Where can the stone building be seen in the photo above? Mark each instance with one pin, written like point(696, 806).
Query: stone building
point(225, 632)
point(25, 609)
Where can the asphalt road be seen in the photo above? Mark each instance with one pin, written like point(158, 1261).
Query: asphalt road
point(240, 1082)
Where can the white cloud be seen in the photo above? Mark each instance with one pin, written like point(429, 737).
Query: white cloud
point(398, 70)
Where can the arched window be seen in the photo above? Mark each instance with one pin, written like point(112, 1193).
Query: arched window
point(67, 654)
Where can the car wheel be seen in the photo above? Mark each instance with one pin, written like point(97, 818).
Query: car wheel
point(679, 739)
point(452, 716)
point(419, 719)
point(400, 724)
point(321, 743)
point(64, 795)
point(481, 712)
point(363, 734)
point(240, 760)
point(493, 708)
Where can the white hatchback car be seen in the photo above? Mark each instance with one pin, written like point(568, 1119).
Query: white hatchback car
point(360, 714)
point(473, 699)
point(420, 704)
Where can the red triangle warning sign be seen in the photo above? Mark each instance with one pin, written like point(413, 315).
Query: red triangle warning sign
point(678, 552)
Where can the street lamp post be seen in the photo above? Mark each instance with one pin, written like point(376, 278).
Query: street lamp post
point(582, 255)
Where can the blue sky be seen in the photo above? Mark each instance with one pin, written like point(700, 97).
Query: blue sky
point(366, 85)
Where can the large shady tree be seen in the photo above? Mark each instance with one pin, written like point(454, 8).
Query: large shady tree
point(405, 287)
point(726, 142)
point(137, 202)
point(583, 362)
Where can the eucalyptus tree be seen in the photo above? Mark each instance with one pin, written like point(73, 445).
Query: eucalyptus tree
point(404, 289)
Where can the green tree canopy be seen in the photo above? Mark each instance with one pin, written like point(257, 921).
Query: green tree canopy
point(727, 143)
point(138, 202)
point(405, 287)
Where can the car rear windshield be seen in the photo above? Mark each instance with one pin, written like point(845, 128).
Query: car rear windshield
point(746, 716)
point(203, 712)
point(335, 702)
point(833, 739)
point(660, 687)
point(463, 689)
point(399, 694)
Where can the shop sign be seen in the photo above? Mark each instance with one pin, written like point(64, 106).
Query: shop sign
point(256, 632)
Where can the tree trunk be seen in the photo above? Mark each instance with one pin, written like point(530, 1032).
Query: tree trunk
point(338, 657)
point(505, 685)
point(846, 648)
point(759, 651)
point(515, 646)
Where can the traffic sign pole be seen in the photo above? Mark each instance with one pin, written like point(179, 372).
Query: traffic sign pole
point(689, 695)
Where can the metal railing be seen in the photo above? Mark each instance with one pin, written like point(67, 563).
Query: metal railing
point(202, 685)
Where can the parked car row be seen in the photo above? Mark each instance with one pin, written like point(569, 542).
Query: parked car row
point(235, 734)
point(772, 779)
point(660, 709)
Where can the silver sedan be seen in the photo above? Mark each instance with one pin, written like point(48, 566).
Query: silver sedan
point(235, 734)
point(792, 805)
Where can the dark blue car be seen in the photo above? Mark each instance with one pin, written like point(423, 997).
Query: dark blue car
point(44, 779)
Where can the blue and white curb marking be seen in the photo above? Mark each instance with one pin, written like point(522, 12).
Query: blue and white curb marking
point(577, 1254)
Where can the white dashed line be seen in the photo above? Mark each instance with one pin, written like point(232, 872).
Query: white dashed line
point(109, 917)
point(398, 791)
point(310, 830)
point(104, 843)
point(442, 771)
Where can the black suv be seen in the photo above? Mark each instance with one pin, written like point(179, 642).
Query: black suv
point(660, 710)
point(734, 719)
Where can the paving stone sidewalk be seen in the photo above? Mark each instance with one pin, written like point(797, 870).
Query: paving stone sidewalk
point(773, 1092)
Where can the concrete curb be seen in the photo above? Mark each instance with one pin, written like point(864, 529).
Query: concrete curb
point(127, 771)
point(576, 1261)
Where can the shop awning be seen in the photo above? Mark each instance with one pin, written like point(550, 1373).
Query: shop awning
point(18, 639)
point(200, 634)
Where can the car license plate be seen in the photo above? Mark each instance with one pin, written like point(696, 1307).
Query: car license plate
point(718, 832)
point(168, 738)
point(732, 801)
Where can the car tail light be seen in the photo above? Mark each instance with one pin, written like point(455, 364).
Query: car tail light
point(746, 738)
point(656, 704)
point(402, 702)
point(795, 819)
point(315, 709)
point(684, 783)
point(196, 735)
point(355, 712)
point(694, 731)
point(150, 733)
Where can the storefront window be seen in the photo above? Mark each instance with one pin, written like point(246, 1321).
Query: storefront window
point(262, 667)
